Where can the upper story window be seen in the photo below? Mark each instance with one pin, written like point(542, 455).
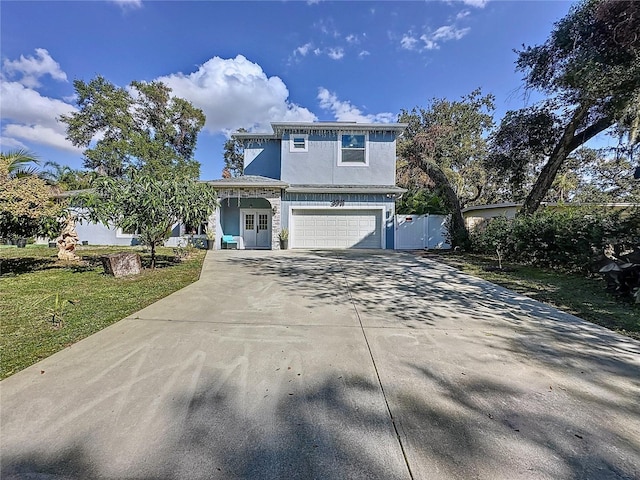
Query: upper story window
point(299, 143)
point(353, 150)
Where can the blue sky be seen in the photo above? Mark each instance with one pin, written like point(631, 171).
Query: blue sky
point(246, 64)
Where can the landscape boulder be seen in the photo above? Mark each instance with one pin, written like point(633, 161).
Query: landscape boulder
point(122, 264)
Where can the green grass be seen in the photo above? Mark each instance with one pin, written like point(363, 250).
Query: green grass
point(30, 279)
point(577, 294)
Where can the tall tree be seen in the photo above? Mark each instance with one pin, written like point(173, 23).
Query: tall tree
point(234, 156)
point(589, 68)
point(143, 127)
point(599, 176)
point(447, 142)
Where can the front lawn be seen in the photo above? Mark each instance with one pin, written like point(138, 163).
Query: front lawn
point(576, 294)
point(30, 279)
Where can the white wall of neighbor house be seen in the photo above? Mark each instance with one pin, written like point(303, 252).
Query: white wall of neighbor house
point(109, 235)
point(473, 218)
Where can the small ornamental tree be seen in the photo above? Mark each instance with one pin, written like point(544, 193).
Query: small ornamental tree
point(141, 202)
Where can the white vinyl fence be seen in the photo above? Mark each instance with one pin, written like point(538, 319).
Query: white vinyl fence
point(416, 232)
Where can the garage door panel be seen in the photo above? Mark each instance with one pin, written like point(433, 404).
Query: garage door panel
point(336, 229)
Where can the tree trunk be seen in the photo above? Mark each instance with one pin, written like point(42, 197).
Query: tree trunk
point(567, 144)
point(153, 255)
point(457, 229)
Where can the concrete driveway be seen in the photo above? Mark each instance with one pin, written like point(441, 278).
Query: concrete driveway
point(331, 365)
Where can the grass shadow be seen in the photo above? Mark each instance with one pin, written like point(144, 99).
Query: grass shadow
point(22, 265)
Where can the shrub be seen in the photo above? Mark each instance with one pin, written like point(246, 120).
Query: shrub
point(568, 238)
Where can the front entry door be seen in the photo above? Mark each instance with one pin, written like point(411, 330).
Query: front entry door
point(256, 228)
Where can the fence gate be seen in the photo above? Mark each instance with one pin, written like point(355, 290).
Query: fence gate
point(416, 232)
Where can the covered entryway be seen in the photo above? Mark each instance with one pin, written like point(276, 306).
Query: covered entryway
point(323, 228)
point(249, 210)
point(256, 228)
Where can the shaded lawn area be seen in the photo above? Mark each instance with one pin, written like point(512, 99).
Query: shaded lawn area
point(31, 277)
point(584, 297)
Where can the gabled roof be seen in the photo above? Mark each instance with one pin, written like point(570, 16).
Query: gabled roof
point(248, 181)
point(391, 189)
point(280, 128)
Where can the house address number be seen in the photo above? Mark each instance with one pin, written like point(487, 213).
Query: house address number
point(337, 203)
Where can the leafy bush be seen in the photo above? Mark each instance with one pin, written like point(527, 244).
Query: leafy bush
point(421, 202)
point(568, 238)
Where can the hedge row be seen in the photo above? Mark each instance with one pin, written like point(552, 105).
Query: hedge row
point(570, 238)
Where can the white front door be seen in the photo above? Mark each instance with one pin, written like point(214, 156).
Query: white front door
point(256, 228)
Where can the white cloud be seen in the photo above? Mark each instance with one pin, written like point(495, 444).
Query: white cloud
point(40, 135)
point(408, 42)
point(303, 50)
point(327, 27)
point(428, 43)
point(317, 52)
point(32, 68)
point(476, 3)
point(7, 142)
point(336, 53)
point(25, 105)
point(29, 116)
point(353, 39)
point(364, 53)
point(449, 32)
point(344, 111)
point(463, 14)
point(236, 93)
point(445, 33)
point(128, 4)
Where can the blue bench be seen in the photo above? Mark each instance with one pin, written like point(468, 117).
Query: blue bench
point(229, 240)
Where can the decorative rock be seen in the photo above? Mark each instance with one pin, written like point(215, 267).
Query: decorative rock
point(122, 264)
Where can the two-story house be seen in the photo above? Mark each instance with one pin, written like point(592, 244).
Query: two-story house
point(331, 184)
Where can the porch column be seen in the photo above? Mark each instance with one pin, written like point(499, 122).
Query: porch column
point(275, 222)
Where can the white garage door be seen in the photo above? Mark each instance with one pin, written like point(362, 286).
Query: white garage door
point(336, 229)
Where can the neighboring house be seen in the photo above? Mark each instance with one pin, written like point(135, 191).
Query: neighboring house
point(100, 234)
point(478, 214)
point(331, 184)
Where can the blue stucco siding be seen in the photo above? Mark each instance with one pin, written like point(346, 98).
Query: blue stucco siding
point(230, 218)
point(325, 200)
point(263, 158)
point(230, 212)
point(319, 165)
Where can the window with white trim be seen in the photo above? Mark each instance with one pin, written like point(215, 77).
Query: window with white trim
point(353, 149)
point(127, 233)
point(299, 142)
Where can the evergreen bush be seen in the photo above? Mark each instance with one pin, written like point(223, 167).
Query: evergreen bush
point(569, 238)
